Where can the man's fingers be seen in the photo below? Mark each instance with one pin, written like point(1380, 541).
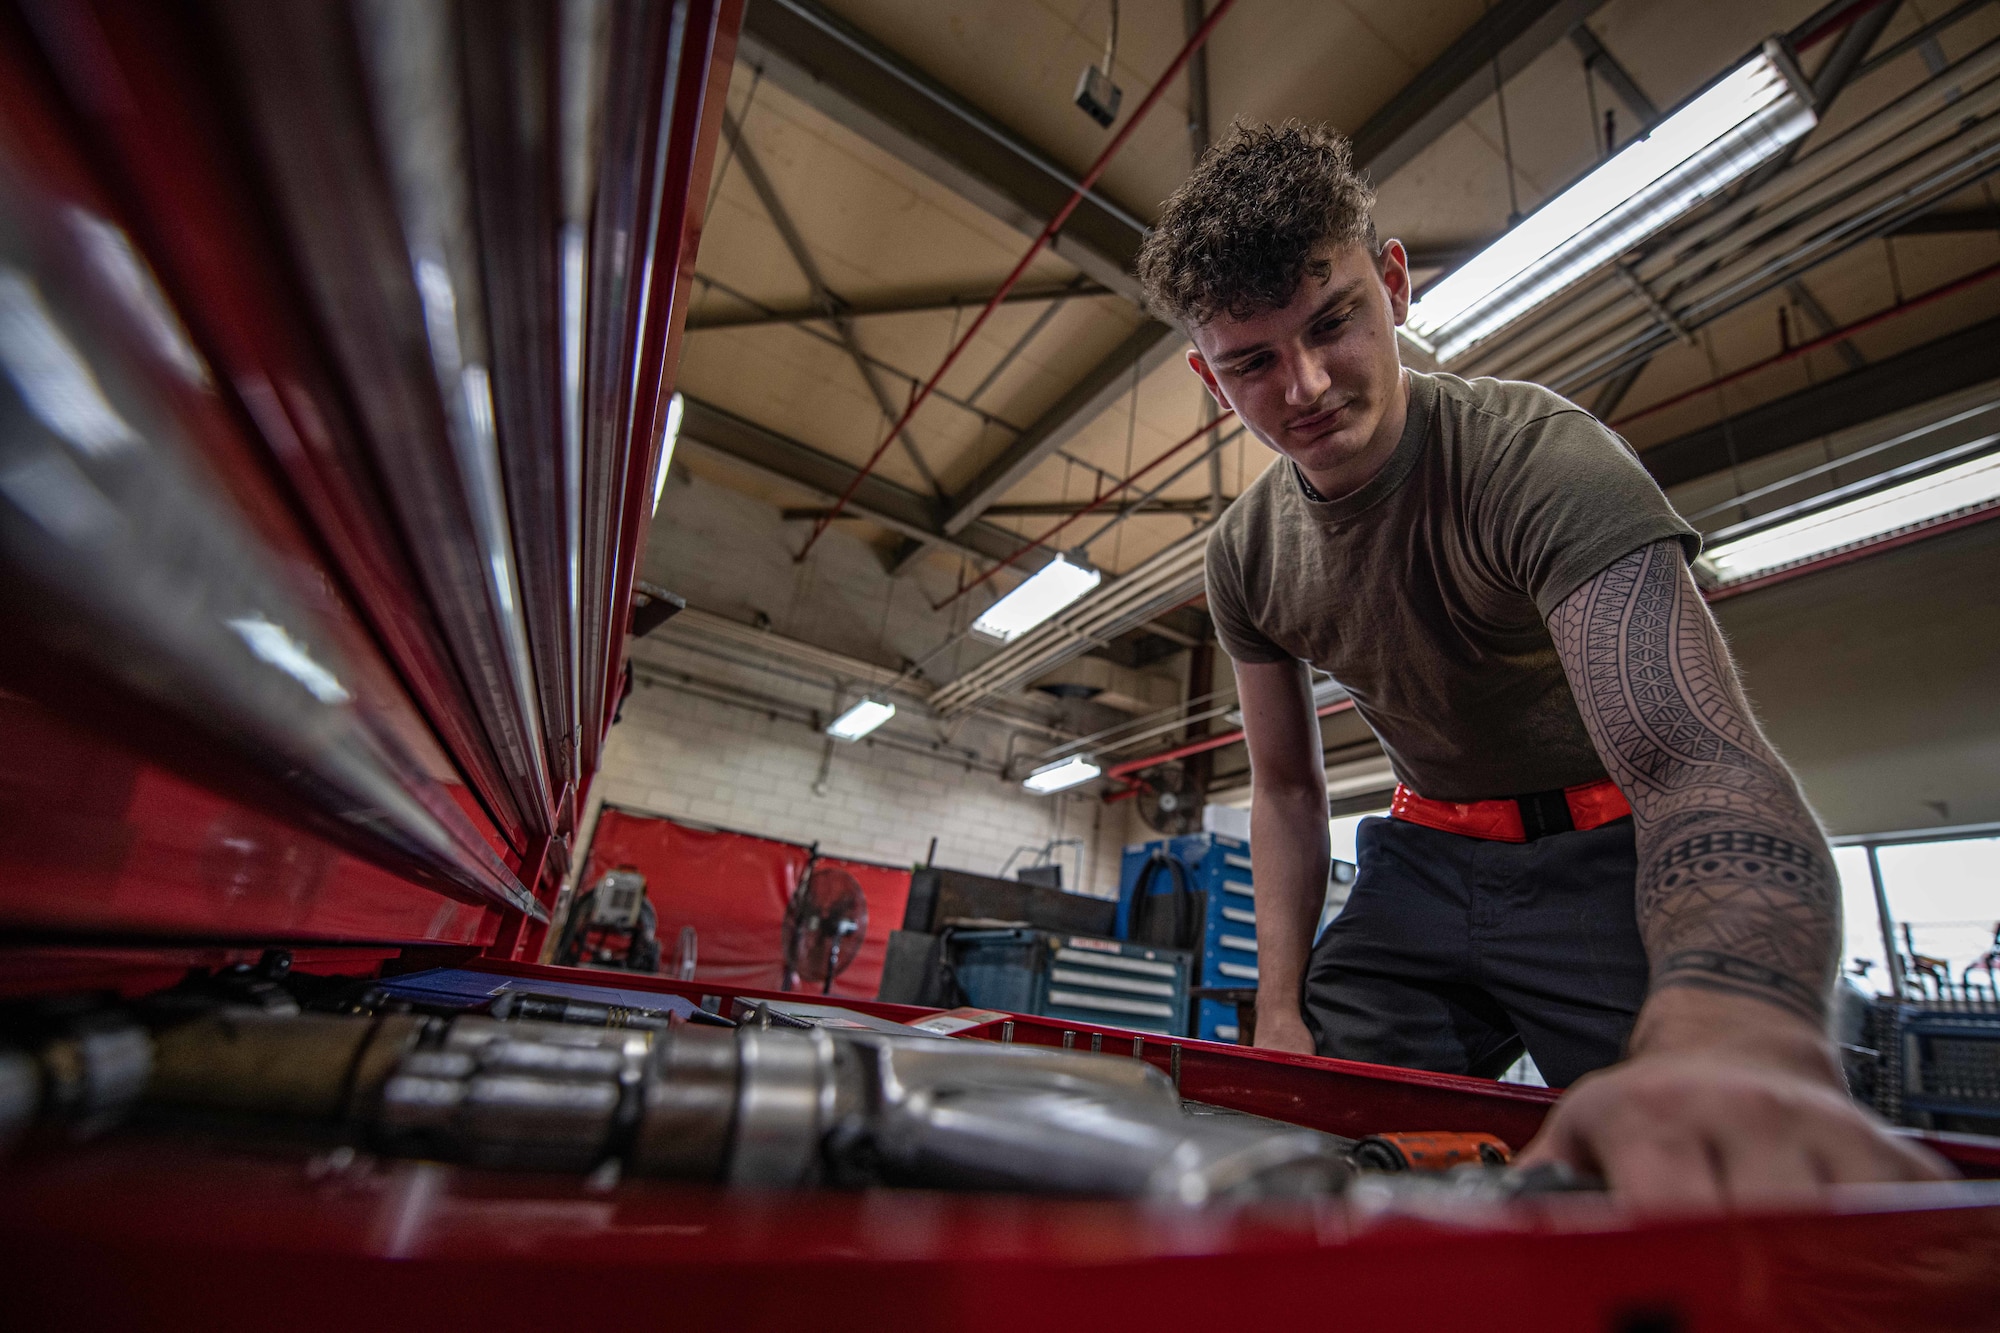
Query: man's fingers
point(1665, 1174)
point(1769, 1171)
point(1874, 1153)
point(1555, 1142)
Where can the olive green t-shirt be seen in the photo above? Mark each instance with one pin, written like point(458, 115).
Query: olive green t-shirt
point(1426, 593)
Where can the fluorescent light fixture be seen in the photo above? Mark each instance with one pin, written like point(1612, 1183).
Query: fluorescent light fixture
point(668, 438)
point(1051, 588)
point(861, 719)
point(1969, 485)
point(1746, 118)
point(1061, 775)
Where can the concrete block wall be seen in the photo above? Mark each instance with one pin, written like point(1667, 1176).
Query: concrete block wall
point(688, 757)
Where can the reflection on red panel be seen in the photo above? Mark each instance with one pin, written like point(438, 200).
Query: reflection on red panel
point(93, 839)
point(732, 888)
point(202, 1239)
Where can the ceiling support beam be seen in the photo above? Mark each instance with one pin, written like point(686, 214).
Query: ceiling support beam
point(1143, 351)
point(1950, 222)
point(1598, 60)
point(1047, 509)
point(1020, 345)
point(834, 67)
point(829, 64)
point(1193, 14)
point(878, 500)
point(1908, 379)
point(831, 307)
point(863, 307)
point(1822, 319)
point(1512, 34)
point(1614, 391)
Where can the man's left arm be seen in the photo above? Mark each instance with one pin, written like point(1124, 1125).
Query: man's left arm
point(1730, 1092)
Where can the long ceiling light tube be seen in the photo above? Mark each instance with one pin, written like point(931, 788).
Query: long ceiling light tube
point(1061, 775)
point(1054, 224)
point(1879, 513)
point(1772, 265)
point(1600, 342)
point(1893, 135)
point(860, 718)
point(1828, 178)
point(1058, 584)
point(1744, 119)
point(1168, 578)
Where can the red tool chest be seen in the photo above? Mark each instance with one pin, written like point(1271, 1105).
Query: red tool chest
point(261, 686)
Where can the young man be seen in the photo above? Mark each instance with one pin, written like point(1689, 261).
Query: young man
point(1504, 591)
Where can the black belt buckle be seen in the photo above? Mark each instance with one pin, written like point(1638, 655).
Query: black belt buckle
point(1545, 812)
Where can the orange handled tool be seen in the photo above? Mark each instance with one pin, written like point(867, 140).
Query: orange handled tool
point(1428, 1152)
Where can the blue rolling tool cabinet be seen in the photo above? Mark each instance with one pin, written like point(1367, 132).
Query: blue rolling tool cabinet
point(1214, 870)
point(1078, 977)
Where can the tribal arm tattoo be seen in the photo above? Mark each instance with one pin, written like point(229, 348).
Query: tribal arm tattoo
point(1736, 889)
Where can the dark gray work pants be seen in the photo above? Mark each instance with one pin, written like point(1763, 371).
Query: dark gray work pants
point(1454, 952)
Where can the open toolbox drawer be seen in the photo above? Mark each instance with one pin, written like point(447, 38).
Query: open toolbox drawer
point(163, 1231)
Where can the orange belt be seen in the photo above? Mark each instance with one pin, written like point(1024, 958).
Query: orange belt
point(1516, 818)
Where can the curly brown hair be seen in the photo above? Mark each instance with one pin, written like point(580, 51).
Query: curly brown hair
point(1243, 231)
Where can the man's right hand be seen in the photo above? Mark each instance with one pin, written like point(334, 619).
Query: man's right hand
point(1284, 1032)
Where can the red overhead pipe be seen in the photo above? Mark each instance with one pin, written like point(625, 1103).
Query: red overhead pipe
point(1055, 224)
point(1095, 503)
point(1824, 340)
point(1838, 23)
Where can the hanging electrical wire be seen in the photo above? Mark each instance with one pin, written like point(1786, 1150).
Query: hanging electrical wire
point(1095, 504)
point(1041, 241)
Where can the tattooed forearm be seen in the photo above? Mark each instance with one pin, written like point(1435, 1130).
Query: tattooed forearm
point(1736, 888)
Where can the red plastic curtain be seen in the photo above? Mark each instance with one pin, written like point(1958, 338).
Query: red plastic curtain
point(732, 888)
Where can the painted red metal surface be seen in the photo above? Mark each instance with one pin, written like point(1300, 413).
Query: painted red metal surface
point(171, 148)
point(699, 85)
point(190, 839)
point(177, 1232)
point(216, 1240)
point(96, 841)
point(136, 873)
